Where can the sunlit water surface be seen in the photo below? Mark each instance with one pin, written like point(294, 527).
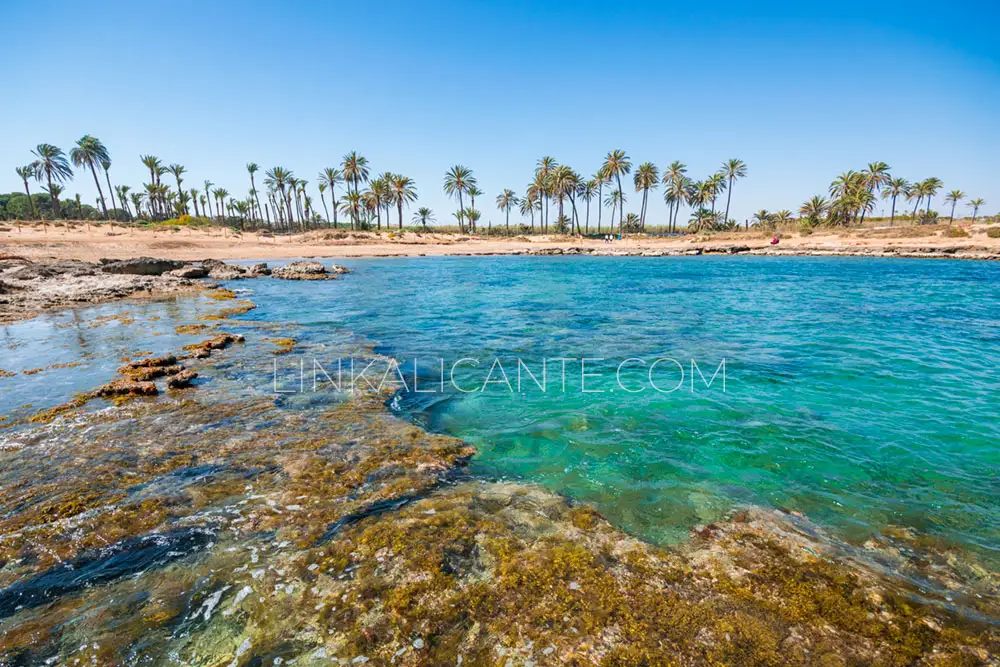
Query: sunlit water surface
point(861, 392)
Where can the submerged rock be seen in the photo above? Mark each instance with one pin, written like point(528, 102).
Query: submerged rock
point(204, 349)
point(181, 379)
point(127, 387)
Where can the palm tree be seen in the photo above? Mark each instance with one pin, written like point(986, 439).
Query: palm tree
point(632, 222)
point(615, 164)
point(976, 204)
point(473, 216)
point(507, 200)
point(530, 202)
point(601, 177)
point(716, 183)
point(252, 169)
point(915, 193)
point(193, 196)
point(561, 183)
point(702, 219)
point(954, 197)
point(930, 188)
point(52, 164)
point(331, 176)
point(178, 171)
point(894, 187)
point(352, 204)
point(474, 192)
point(732, 170)
point(814, 209)
point(402, 190)
point(675, 193)
point(876, 175)
point(423, 216)
point(646, 178)
point(764, 219)
point(136, 198)
point(26, 172)
point(355, 168)
point(278, 178)
point(587, 193)
point(616, 200)
point(546, 164)
point(106, 166)
point(122, 191)
point(457, 181)
point(220, 197)
point(54, 191)
point(322, 198)
point(208, 198)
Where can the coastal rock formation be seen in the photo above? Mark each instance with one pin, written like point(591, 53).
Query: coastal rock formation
point(219, 270)
point(141, 266)
point(31, 287)
point(189, 272)
point(304, 271)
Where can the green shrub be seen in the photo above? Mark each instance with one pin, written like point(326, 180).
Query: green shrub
point(955, 233)
point(993, 232)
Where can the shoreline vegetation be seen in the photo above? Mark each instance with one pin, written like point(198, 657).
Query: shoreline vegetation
point(314, 545)
point(363, 200)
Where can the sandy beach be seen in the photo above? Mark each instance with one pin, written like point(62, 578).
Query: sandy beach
point(91, 243)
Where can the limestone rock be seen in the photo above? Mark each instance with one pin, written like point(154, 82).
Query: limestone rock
point(142, 266)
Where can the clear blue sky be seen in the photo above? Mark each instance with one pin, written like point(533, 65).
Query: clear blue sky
point(799, 90)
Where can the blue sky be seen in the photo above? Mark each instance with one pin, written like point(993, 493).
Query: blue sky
point(799, 90)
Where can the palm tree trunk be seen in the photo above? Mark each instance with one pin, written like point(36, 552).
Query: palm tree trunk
point(31, 203)
point(600, 204)
point(399, 207)
point(952, 221)
point(333, 200)
point(586, 224)
point(99, 190)
point(642, 216)
point(111, 190)
point(55, 198)
point(729, 197)
point(622, 209)
point(256, 195)
point(892, 218)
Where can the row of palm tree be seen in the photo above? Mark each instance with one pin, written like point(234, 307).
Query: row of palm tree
point(285, 203)
point(853, 196)
point(559, 183)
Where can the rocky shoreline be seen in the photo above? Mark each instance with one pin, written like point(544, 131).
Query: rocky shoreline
point(28, 288)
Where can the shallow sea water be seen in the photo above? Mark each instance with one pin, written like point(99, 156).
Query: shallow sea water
point(860, 392)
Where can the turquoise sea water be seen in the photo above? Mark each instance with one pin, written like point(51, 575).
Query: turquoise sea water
point(861, 392)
